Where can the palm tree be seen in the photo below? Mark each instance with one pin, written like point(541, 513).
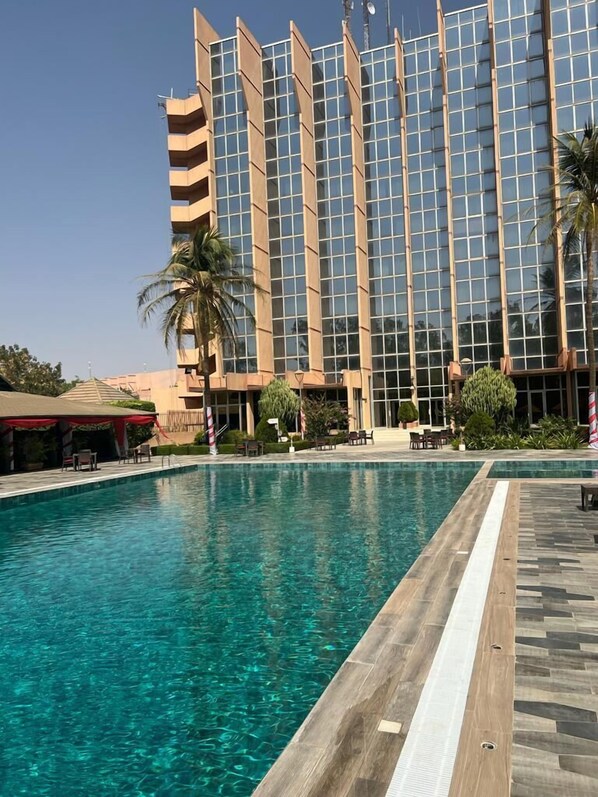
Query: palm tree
point(575, 215)
point(200, 289)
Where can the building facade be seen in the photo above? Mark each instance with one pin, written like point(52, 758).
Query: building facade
point(387, 201)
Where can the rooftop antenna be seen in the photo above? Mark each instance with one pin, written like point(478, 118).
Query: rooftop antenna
point(348, 6)
point(369, 9)
point(89, 368)
point(162, 101)
point(388, 28)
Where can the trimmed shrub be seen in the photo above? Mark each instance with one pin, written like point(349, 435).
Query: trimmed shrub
point(267, 433)
point(479, 425)
point(408, 412)
point(236, 436)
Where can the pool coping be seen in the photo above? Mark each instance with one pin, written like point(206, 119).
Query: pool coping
point(25, 497)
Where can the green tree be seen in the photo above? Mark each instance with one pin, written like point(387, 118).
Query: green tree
point(575, 216)
point(279, 400)
point(27, 374)
point(198, 293)
point(321, 416)
point(489, 391)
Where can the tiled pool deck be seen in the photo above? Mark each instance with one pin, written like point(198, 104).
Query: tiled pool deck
point(533, 692)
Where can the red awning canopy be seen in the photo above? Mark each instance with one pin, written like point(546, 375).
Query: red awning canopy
point(28, 423)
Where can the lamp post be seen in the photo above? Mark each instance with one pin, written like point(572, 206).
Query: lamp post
point(300, 376)
point(466, 364)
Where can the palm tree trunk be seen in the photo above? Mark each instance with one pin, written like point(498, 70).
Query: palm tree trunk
point(207, 391)
point(590, 312)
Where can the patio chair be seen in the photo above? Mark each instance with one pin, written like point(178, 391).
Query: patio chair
point(86, 458)
point(415, 441)
point(253, 448)
point(240, 449)
point(126, 455)
point(325, 443)
point(67, 462)
point(144, 450)
point(353, 439)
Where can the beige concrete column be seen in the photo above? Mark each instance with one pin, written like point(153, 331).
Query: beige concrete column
point(498, 177)
point(353, 84)
point(559, 264)
point(249, 55)
point(204, 34)
point(249, 413)
point(449, 193)
point(406, 214)
point(301, 66)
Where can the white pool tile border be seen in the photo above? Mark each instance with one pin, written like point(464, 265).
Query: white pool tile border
point(425, 766)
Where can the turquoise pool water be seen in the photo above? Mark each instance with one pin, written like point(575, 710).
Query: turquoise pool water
point(549, 469)
point(168, 637)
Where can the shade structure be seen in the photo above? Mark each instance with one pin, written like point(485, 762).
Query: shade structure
point(16, 406)
point(96, 392)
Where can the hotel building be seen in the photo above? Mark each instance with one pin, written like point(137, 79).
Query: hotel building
point(387, 202)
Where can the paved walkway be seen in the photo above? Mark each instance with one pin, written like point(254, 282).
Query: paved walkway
point(555, 750)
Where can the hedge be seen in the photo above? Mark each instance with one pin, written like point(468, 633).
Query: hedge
point(227, 448)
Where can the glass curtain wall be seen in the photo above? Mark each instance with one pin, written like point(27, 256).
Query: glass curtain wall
point(386, 234)
point(429, 224)
point(233, 204)
point(473, 182)
point(336, 221)
point(524, 155)
point(285, 212)
point(574, 25)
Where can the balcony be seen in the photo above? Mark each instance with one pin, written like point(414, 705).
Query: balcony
point(185, 114)
point(185, 218)
point(184, 148)
point(190, 181)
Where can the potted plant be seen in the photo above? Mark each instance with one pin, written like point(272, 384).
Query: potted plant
point(34, 452)
point(407, 414)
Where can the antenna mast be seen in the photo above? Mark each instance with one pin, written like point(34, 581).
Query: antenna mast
point(368, 9)
point(388, 27)
point(347, 8)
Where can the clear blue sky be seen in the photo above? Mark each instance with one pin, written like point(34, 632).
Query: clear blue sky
point(84, 200)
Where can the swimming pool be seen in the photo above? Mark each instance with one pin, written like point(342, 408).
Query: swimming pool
point(545, 469)
point(168, 637)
